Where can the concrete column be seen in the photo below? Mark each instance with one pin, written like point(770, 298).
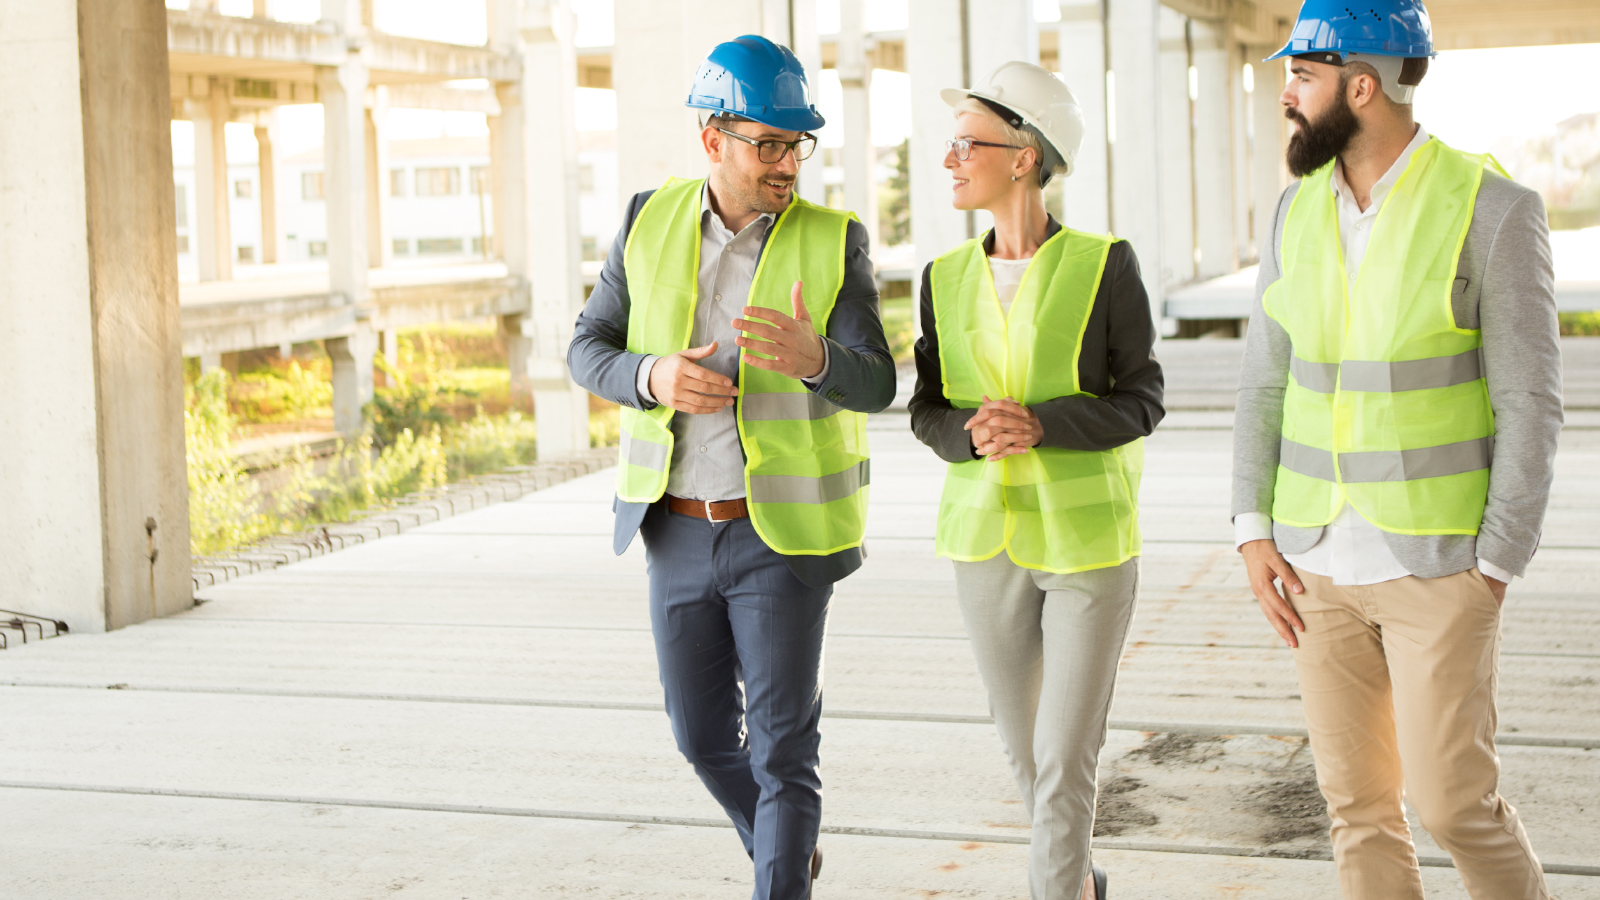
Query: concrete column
point(93, 496)
point(352, 378)
point(497, 190)
point(212, 227)
point(538, 140)
point(793, 23)
point(261, 9)
point(1177, 157)
point(379, 250)
point(855, 76)
point(934, 53)
point(1239, 115)
point(1136, 186)
point(516, 331)
point(1082, 57)
point(1268, 173)
point(342, 89)
point(1213, 150)
point(267, 165)
point(210, 362)
point(998, 32)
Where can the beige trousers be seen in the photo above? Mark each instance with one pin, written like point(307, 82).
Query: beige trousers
point(1398, 684)
point(1047, 647)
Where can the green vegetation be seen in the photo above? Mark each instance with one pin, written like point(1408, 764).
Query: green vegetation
point(443, 414)
point(1585, 324)
point(894, 200)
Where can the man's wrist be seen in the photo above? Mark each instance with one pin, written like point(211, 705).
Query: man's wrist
point(822, 373)
point(1251, 526)
point(1490, 570)
point(641, 381)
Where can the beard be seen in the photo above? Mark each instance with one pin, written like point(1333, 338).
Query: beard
point(751, 193)
point(1315, 144)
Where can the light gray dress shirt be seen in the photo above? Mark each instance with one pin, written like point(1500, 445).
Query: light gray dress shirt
point(707, 458)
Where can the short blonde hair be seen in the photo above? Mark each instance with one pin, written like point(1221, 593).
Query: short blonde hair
point(1021, 137)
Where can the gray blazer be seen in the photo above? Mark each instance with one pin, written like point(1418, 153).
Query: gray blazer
point(1504, 285)
point(860, 368)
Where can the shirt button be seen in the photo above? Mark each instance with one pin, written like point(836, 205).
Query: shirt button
point(702, 449)
point(716, 296)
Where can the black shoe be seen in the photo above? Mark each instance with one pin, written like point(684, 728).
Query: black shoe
point(1099, 881)
point(816, 863)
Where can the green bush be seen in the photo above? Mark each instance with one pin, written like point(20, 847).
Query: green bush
point(1581, 324)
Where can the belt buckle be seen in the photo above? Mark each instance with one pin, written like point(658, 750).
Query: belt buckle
point(709, 516)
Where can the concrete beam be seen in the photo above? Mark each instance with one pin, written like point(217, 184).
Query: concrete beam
point(93, 494)
point(1136, 149)
point(1082, 59)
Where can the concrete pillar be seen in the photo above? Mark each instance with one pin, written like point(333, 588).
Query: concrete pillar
point(343, 89)
point(497, 189)
point(855, 76)
point(793, 23)
point(1136, 186)
point(538, 141)
point(998, 32)
point(212, 227)
point(1177, 158)
point(93, 495)
point(1239, 114)
point(267, 165)
point(352, 378)
point(379, 250)
point(1213, 150)
point(516, 331)
point(1268, 173)
point(1082, 58)
point(261, 9)
point(935, 50)
point(210, 362)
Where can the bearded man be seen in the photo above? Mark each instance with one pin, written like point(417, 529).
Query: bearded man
point(1393, 452)
point(737, 325)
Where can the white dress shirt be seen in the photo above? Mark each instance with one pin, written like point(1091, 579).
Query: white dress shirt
point(1352, 550)
point(1007, 278)
point(707, 457)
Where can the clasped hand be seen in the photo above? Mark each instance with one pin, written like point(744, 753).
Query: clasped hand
point(789, 345)
point(1002, 428)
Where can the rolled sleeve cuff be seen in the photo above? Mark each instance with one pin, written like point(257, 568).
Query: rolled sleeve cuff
point(1494, 571)
point(1252, 526)
point(641, 382)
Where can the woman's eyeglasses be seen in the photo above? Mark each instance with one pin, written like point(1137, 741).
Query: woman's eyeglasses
point(963, 147)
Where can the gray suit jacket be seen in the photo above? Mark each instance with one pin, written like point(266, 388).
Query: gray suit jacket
point(1504, 285)
point(860, 368)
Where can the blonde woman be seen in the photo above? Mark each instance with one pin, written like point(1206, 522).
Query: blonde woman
point(1036, 382)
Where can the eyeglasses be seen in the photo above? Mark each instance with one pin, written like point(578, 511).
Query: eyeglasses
point(773, 151)
point(963, 147)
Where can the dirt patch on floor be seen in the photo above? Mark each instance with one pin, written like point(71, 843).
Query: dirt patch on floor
point(1179, 749)
point(1116, 812)
point(1292, 807)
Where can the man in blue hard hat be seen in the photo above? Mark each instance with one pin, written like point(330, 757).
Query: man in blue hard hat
point(737, 326)
point(1393, 452)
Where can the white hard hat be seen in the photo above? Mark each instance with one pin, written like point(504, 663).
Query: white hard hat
point(1037, 97)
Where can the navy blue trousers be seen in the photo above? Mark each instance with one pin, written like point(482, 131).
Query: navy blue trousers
point(739, 643)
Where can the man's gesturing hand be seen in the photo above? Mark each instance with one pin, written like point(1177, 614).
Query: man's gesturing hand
point(677, 382)
point(1264, 565)
point(793, 344)
point(1002, 428)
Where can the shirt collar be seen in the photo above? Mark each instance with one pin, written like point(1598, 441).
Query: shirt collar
point(707, 214)
point(1380, 188)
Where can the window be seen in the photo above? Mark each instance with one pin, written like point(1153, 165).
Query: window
point(402, 246)
point(397, 182)
point(311, 186)
point(183, 243)
point(181, 205)
point(247, 254)
point(438, 182)
point(586, 178)
point(480, 180)
point(591, 250)
point(244, 189)
point(438, 245)
point(316, 249)
point(477, 246)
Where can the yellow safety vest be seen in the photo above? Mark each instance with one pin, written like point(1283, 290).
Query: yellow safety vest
point(1050, 508)
point(806, 468)
point(1386, 406)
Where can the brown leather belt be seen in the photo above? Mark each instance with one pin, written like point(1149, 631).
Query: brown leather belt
point(711, 510)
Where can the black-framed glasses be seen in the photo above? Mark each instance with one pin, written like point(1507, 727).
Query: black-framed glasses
point(963, 147)
point(773, 151)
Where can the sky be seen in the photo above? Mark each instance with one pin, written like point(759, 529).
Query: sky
point(1470, 98)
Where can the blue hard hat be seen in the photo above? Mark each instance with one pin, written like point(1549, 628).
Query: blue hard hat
point(1367, 27)
point(759, 80)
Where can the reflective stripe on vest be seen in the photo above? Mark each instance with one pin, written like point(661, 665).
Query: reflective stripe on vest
point(1050, 508)
point(1386, 407)
point(806, 469)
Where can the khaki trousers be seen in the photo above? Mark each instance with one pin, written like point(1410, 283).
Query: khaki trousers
point(1398, 683)
point(1047, 647)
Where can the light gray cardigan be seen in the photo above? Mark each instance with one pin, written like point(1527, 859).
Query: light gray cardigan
point(1504, 285)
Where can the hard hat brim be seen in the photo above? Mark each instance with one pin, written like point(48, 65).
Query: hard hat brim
point(795, 119)
point(954, 96)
